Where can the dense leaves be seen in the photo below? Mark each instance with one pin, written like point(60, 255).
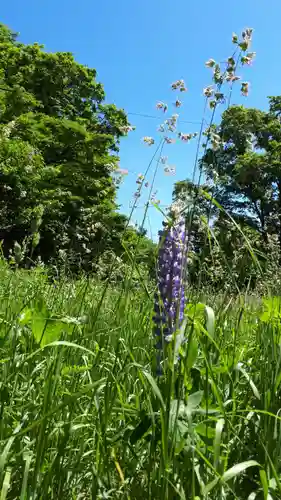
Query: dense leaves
point(58, 146)
point(236, 217)
point(248, 166)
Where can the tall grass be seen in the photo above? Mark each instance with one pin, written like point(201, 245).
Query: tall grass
point(82, 415)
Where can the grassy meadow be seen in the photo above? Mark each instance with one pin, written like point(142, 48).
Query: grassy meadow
point(84, 416)
point(87, 410)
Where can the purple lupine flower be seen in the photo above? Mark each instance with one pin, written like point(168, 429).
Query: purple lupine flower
point(170, 297)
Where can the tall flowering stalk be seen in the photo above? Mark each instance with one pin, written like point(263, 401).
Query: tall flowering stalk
point(170, 297)
point(172, 258)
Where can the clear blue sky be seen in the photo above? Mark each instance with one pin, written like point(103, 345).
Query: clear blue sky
point(140, 47)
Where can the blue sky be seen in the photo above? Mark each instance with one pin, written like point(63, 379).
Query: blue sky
point(140, 47)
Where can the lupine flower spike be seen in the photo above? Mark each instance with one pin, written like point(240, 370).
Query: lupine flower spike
point(170, 298)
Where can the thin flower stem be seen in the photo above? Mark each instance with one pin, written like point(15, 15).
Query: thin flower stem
point(161, 146)
point(199, 140)
point(231, 86)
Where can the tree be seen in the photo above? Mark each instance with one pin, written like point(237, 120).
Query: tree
point(243, 172)
point(199, 211)
point(58, 150)
point(247, 167)
point(219, 247)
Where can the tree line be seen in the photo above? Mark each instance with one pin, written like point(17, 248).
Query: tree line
point(59, 146)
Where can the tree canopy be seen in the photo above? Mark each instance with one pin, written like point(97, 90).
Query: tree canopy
point(243, 173)
point(58, 150)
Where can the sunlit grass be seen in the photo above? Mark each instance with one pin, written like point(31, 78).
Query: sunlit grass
point(83, 416)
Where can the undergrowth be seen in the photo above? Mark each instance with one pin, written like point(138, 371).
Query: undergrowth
point(83, 416)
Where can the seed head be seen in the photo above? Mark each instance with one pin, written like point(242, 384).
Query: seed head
point(210, 63)
point(245, 88)
point(179, 85)
point(208, 91)
point(177, 103)
point(169, 140)
point(170, 170)
point(162, 105)
point(148, 140)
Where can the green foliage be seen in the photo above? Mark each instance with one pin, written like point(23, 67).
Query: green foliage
point(247, 166)
point(234, 219)
point(46, 327)
point(58, 145)
point(82, 415)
